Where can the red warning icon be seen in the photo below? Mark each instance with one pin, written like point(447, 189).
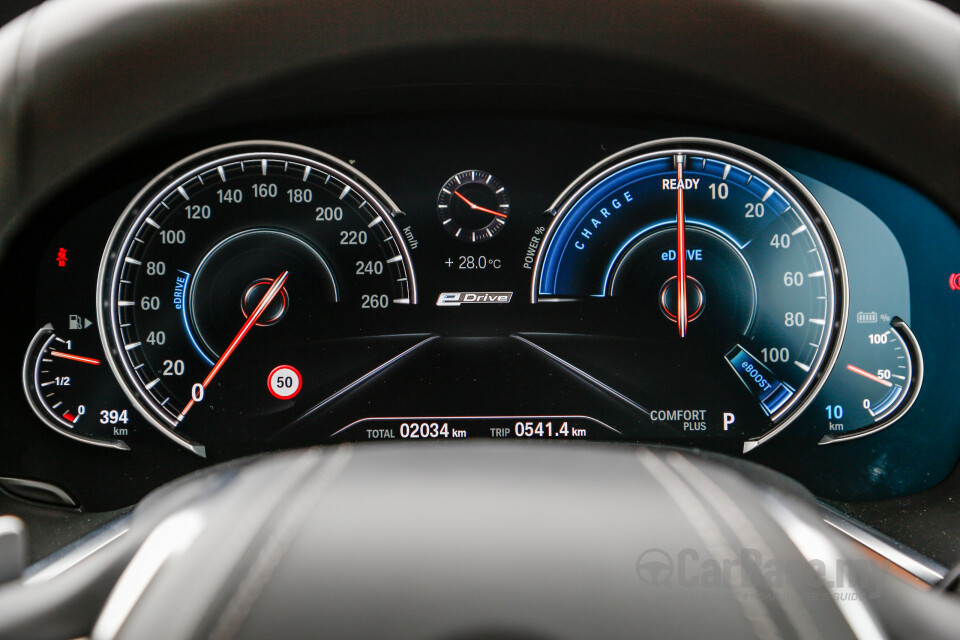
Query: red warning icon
point(955, 281)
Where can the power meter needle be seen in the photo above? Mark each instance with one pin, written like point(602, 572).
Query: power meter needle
point(477, 207)
point(681, 254)
point(868, 375)
point(268, 297)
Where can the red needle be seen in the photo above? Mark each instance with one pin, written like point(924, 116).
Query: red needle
point(70, 356)
point(681, 255)
point(868, 375)
point(477, 207)
point(268, 297)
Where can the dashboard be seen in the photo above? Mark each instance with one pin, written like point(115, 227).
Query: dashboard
point(429, 227)
point(485, 277)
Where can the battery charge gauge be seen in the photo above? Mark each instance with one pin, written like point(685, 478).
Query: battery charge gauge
point(473, 206)
point(882, 380)
point(72, 389)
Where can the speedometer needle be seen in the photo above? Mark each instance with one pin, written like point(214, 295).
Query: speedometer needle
point(477, 207)
point(268, 297)
point(681, 254)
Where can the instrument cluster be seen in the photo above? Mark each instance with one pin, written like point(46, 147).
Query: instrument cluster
point(562, 282)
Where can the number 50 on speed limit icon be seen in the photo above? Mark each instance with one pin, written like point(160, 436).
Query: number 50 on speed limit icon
point(284, 382)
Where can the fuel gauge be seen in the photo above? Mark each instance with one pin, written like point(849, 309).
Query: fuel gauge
point(885, 379)
point(72, 390)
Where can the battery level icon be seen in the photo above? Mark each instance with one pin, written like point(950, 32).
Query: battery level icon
point(866, 317)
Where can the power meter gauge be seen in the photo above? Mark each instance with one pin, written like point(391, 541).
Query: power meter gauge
point(885, 379)
point(724, 273)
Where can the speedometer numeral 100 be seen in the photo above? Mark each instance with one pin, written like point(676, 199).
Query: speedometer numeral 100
point(193, 306)
point(173, 236)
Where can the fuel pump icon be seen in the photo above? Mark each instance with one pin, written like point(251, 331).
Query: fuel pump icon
point(78, 322)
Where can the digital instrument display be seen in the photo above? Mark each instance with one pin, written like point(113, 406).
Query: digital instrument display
point(263, 295)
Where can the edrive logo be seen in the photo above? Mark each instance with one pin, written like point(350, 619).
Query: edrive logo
point(457, 298)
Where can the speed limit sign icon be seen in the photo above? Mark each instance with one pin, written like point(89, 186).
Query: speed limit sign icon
point(284, 382)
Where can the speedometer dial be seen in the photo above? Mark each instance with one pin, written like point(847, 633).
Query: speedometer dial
point(237, 268)
point(722, 277)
